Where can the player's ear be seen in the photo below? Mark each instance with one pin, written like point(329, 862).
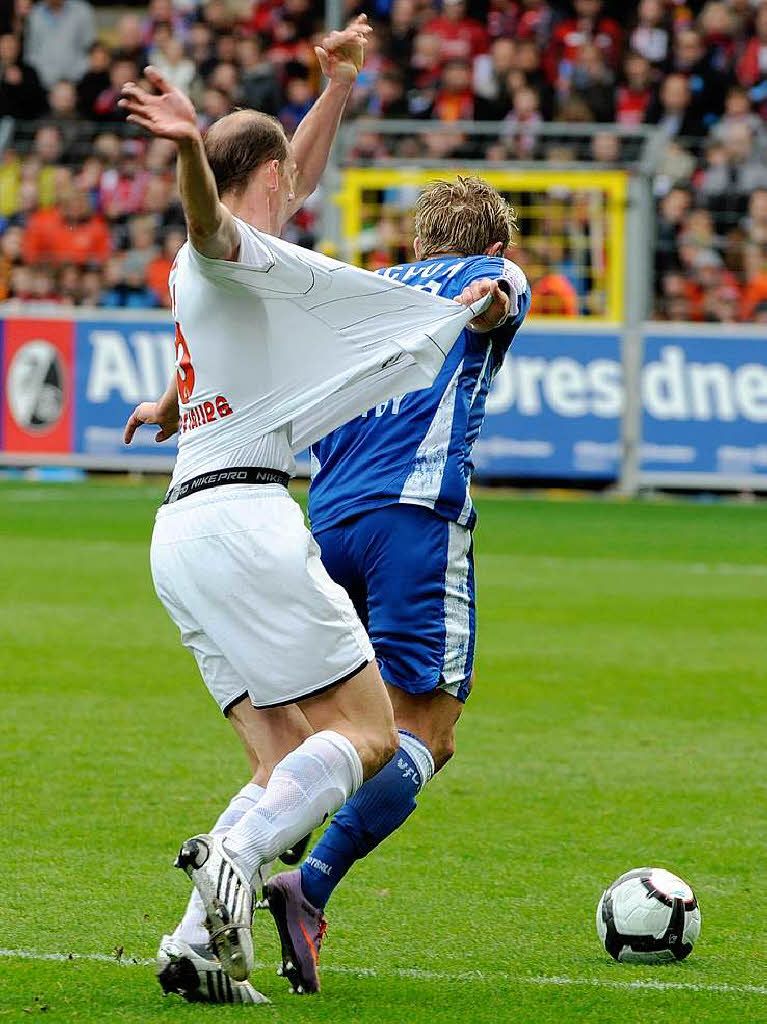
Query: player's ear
point(417, 247)
point(273, 175)
point(495, 249)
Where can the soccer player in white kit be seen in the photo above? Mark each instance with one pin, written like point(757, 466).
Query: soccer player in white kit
point(277, 643)
point(235, 565)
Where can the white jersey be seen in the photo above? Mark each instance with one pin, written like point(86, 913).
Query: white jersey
point(278, 348)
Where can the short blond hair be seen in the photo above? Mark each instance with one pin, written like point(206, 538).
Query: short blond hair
point(466, 216)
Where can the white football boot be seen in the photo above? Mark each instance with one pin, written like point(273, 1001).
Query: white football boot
point(194, 973)
point(228, 898)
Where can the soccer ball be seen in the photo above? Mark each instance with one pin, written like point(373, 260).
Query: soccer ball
point(648, 916)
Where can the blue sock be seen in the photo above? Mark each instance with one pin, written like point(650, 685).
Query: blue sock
point(375, 811)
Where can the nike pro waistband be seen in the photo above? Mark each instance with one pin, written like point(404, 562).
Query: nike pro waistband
point(243, 475)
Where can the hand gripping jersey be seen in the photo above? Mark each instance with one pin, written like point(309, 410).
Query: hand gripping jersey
point(287, 340)
point(416, 448)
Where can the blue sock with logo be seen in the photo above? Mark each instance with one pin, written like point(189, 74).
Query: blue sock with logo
point(376, 810)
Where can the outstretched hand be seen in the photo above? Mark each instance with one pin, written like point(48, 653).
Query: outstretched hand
point(342, 54)
point(495, 313)
point(153, 414)
point(167, 113)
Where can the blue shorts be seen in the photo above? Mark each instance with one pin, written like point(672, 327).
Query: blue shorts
point(410, 575)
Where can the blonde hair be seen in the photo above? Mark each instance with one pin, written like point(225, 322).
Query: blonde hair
point(466, 216)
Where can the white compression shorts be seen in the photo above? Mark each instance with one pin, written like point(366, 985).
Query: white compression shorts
point(240, 575)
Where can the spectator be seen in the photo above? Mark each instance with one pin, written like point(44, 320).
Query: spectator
point(606, 148)
point(553, 295)
point(737, 110)
point(258, 80)
point(95, 81)
point(62, 100)
point(161, 12)
point(388, 98)
point(38, 243)
point(536, 22)
point(672, 110)
point(491, 69)
point(402, 32)
point(129, 41)
point(142, 247)
point(170, 61)
point(529, 64)
point(48, 149)
point(124, 291)
point(215, 104)
point(588, 26)
point(299, 97)
point(733, 173)
point(79, 235)
point(521, 122)
point(21, 94)
point(718, 25)
point(123, 188)
point(10, 185)
point(10, 257)
point(460, 37)
point(158, 269)
point(200, 46)
point(106, 106)
point(594, 82)
point(722, 304)
point(58, 36)
point(708, 85)
point(673, 210)
point(634, 96)
point(650, 37)
point(455, 100)
point(752, 66)
point(90, 287)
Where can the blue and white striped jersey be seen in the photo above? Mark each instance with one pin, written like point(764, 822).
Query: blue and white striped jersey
point(417, 448)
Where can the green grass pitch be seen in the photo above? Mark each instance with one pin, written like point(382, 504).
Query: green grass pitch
point(618, 719)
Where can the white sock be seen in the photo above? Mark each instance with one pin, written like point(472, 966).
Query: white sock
point(192, 926)
point(309, 784)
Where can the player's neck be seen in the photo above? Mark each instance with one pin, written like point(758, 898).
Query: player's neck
point(256, 208)
point(442, 256)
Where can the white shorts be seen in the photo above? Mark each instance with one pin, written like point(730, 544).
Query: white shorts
point(241, 576)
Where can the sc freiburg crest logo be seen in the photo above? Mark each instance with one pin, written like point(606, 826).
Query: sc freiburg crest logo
point(36, 386)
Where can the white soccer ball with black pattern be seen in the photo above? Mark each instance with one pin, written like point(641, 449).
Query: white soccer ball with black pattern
point(648, 916)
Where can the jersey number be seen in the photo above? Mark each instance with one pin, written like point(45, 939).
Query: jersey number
point(184, 368)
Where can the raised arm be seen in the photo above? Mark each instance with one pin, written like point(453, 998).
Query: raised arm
point(341, 56)
point(169, 114)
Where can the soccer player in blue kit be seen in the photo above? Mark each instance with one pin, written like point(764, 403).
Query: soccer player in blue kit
point(391, 509)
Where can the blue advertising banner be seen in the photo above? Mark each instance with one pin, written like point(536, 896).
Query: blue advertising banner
point(704, 400)
point(118, 365)
point(555, 408)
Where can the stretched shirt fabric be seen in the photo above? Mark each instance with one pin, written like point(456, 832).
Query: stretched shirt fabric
point(288, 339)
point(417, 448)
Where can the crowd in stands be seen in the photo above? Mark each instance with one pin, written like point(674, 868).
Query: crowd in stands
point(88, 208)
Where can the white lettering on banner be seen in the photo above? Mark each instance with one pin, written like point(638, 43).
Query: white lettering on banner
point(672, 388)
point(136, 366)
point(565, 387)
point(751, 389)
point(663, 386)
point(568, 387)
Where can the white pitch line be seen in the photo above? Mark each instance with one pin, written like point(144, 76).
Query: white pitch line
point(540, 981)
point(696, 568)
